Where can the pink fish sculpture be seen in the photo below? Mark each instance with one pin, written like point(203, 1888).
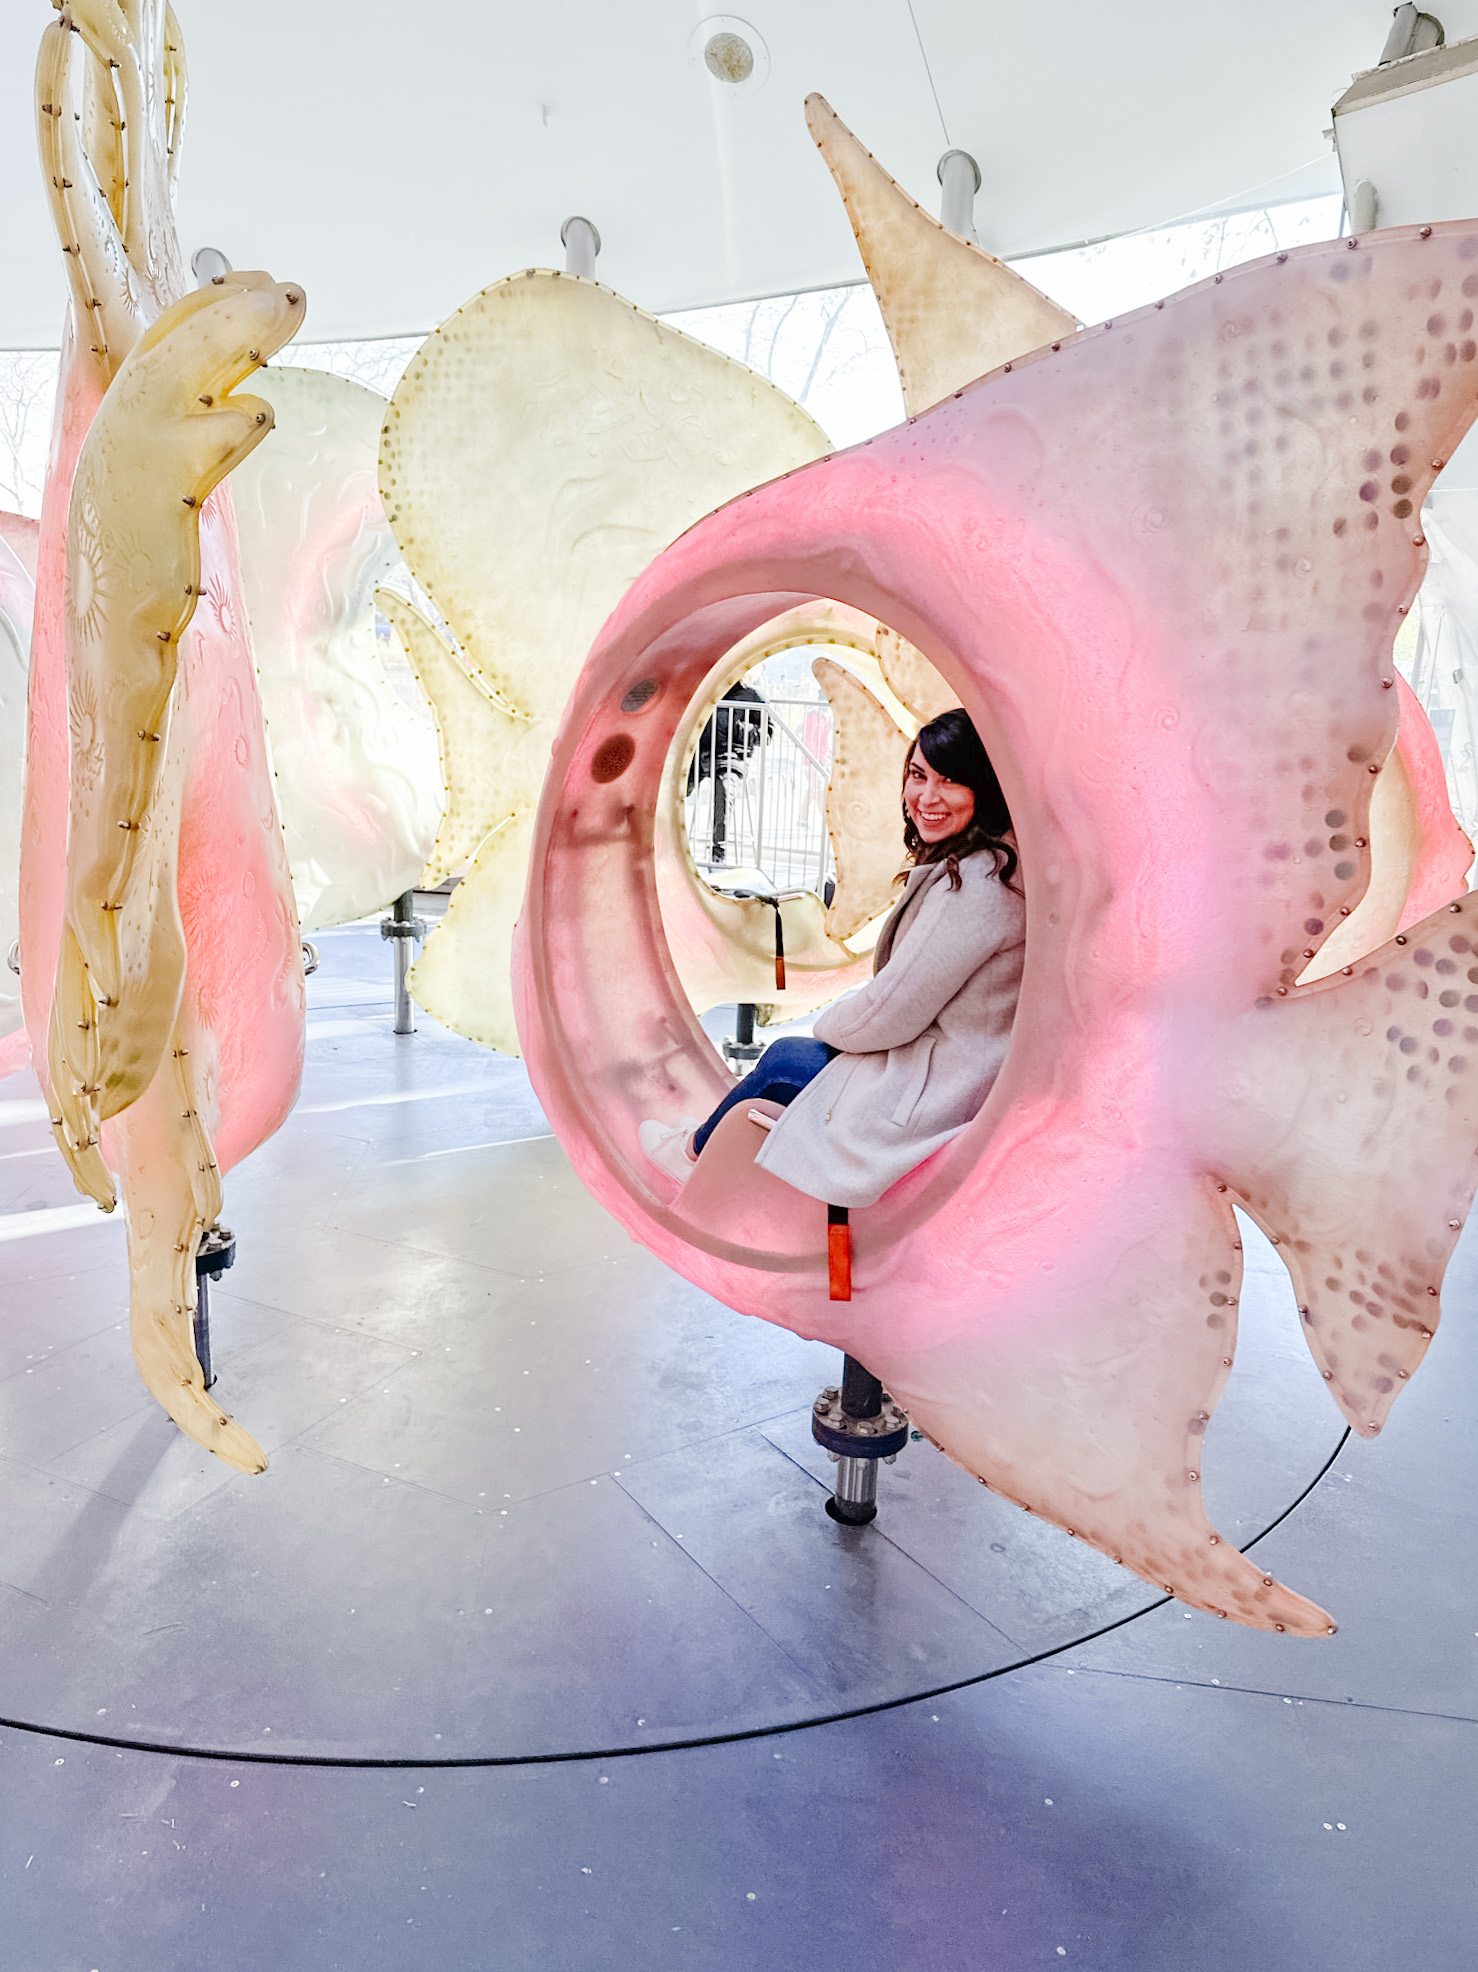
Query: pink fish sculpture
point(1163, 563)
point(161, 961)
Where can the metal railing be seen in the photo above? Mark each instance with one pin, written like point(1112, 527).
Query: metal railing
point(756, 791)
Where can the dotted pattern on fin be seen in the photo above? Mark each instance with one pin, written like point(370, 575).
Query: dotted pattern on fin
point(912, 678)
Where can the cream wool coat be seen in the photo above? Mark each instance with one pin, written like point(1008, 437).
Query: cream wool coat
point(922, 1042)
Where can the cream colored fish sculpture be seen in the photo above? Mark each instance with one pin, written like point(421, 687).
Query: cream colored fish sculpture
point(547, 441)
point(176, 1045)
point(358, 779)
point(167, 433)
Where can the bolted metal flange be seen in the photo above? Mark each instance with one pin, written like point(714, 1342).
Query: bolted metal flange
point(877, 1437)
point(216, 1252)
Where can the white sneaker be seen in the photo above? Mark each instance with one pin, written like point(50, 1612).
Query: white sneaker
point(666, 1144)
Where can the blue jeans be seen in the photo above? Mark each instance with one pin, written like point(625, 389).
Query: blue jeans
point(779, 1075)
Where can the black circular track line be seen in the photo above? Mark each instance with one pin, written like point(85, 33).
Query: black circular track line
point(578, 1756)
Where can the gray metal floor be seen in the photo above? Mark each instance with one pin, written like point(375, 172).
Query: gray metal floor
point(532, 1497)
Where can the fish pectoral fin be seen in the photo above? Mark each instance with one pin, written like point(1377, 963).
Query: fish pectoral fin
point(462, 977)
point(1088, 1402)
point(478, 739)
point(1350, 1135)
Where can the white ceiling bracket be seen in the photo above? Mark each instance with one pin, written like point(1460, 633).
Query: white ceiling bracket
point(581, 243)
point(959, 174)
point(1412, 33)
point(208, 264)
point(1364, 208)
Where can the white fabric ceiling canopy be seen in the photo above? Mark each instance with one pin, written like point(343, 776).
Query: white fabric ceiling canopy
point(395, 159)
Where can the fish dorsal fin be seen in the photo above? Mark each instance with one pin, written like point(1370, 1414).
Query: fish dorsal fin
point(952, 310)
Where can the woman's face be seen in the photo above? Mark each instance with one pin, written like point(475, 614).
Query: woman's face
point(937, 808)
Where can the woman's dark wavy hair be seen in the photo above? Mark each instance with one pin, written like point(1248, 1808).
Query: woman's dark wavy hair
point(952, 747)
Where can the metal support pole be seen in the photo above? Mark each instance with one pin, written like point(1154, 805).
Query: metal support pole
point(403, 928)
point(862, 1394)
point(208, 264)
point(202, 1328)
point(581, 243)
point(405, 1019)
point(959, 174)
point(854, 1499)
point(1412, 33)
point(1364, 208)
point(858, 1423)
point(216, 1252)
point(759, 820)
point(744, 1050)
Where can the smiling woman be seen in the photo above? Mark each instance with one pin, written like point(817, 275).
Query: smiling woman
point(895, 1071)
point(952, 800)
point(937, 807)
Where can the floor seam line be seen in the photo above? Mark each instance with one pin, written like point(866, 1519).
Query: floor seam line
point(1259, 1691)
point(912, 1559)
point(748, 1614)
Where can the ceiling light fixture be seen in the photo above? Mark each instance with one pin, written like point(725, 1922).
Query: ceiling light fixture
point(729, 57)
point(732, 52)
